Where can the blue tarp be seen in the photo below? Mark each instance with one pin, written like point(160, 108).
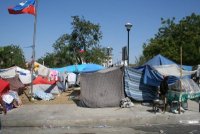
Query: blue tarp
point(83, 68)
point(161, 60)
point(152, 77)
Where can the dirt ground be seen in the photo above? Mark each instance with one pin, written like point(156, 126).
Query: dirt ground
point(66, 97)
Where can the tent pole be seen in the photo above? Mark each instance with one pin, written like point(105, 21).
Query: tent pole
point(33, 48)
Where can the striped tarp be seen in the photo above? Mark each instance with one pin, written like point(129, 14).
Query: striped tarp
point(135, 87)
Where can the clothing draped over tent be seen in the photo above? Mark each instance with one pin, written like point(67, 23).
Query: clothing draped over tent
point(41, 70)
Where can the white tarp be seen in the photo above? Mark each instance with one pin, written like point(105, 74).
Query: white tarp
point(24, 75)
point(8, 72)
point(172, 70)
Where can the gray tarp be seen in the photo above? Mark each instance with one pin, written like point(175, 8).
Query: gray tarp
point(102, 89)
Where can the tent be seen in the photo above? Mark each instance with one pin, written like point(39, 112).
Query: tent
point(24, 75)
point(83, 68)
point(15, 84)
point(168, 67)
point(102, 89)
point(141, 83)
point(4, 86)
point(161, 60)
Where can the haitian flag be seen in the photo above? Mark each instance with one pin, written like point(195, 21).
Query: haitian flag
point(81, 50)
point(26, 7)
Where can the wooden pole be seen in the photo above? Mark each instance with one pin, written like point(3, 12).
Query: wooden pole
point(180, 79)
point(33, 48)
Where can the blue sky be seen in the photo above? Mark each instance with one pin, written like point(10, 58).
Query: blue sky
point(54, 19)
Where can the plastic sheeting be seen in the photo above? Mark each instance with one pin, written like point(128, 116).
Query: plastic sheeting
point(183, 90)
point(152, 77)
point(161, 60)
point(24, 75)
point(187, 85)
point(8, 72)
point(83, 68)
point(172, 70)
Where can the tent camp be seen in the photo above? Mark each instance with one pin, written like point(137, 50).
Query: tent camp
point(102, 89)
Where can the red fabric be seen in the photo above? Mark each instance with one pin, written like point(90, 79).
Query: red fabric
point(27, 10)
point(41, 80)
point(4, 86)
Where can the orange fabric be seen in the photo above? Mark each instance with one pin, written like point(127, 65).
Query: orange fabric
point(42, 80)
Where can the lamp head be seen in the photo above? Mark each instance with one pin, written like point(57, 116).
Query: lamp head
point(128, 26)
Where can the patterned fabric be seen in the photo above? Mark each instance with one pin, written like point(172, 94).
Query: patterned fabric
point(135, 87)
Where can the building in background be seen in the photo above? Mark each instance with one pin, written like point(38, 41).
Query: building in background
point(109, 61)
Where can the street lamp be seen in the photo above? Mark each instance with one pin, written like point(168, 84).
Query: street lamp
point(11, 53)
point(128, 28)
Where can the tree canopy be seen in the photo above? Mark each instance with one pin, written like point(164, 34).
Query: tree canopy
point(11, 55)
point(67, 48)
point(171, 36)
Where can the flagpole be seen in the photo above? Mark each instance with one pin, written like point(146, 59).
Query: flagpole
point(33, 48)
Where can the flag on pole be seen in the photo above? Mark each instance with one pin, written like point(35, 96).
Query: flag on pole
point(26, 7)
point(81, 50)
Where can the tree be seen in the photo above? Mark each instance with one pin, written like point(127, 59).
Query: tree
point(67, 48)
point(84, 35)
point(172, 36)
point(11, 55)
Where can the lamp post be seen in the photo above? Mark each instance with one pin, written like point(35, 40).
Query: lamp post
point(128, 28)
point(11, 53)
